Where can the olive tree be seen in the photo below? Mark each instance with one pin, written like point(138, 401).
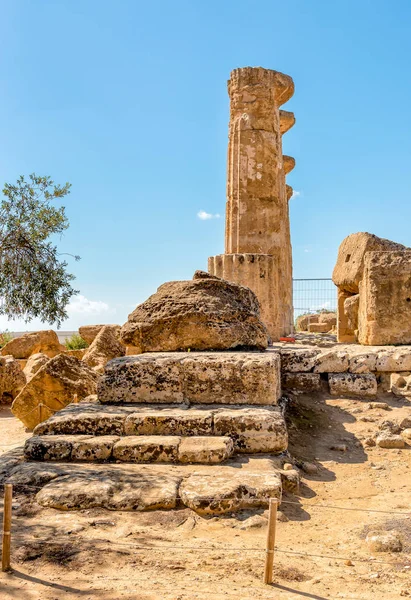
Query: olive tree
point(34, 281)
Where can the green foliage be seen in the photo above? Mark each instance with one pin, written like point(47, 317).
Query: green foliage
point(75, 342)
point(5, 337)
point(33, 280)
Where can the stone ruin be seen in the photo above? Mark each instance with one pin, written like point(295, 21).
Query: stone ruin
point(373, 277)
point(257, 233)
point(189, 407)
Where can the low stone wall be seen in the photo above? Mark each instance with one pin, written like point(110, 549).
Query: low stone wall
point(346, 370)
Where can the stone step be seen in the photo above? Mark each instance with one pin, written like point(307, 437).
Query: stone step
point(131, 449)
point(239, 484)
point(252, 429)
point(195, 377)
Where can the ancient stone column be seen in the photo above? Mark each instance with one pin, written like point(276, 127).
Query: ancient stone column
point(257, 235)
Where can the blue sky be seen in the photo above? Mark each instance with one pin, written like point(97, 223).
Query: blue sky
point(127, 100)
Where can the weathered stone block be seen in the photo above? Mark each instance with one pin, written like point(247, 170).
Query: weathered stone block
point(319, 328)
point(90, 332)
point(349, 268)
point(206, 450)
point(253, 429)
point(304, 321)
point(394, 359)
point(363, 362)
point(104, 347)
point(385, 299)
point(93, 449)
point(170, 422)
point(301, 382)
point(400, 384)
point(332, 361)
point(46, 342)
point(54, 386)
point(219, 494)
point(206, 313)
point(295, 360)
point(145, 449)
point(200, 378)
point(351, 384)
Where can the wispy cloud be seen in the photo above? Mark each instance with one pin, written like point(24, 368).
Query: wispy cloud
point(205, 216)
point(81, 304)
point(295, 194)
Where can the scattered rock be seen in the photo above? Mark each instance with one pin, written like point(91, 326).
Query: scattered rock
point(389, 440)
point(405, 423)
point(384, 542)
point(309, 468)
point(339, 447)
point(406, 434)
point(253, 522)
point(90, 332)
point(34, 363)
point(104, 347)
point(379, 405)
point(12, 379)
point(53, 386)
point(46, 342)
point(370, 442)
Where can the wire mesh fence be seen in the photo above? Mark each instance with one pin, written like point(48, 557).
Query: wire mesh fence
point(313, 295)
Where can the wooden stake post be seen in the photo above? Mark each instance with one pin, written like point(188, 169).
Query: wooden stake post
point(269, 559)
point(5, 557)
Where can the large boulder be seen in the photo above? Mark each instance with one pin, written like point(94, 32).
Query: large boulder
point(12, 379)
point(90, 332)
point(62, 380)
point(206, 313)
point(348, 270)
point(105, 347)
point(46, 342)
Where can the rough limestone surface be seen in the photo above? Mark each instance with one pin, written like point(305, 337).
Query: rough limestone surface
point(349, 268)
point(56, 384)
point(301, 382)
point(111, 489)
point(104, 347)
point(390, 440)
point(257, 216)
point(363, 362)
point(296, 360)
point(219, 495)
point(89, 332)
point(351, 307)
point(304, 321)
point(197, 377)
point(206, 450)
point(205, 313)
point(12, 379)
point(400, 384)
point(329, 318)
point(332, 361)
point(46, 342)
point(350, 384)
point(384, 315)
point(394, 359)
point(34, 363)
point(253, 429)
point(319, 327)
point(70, 447)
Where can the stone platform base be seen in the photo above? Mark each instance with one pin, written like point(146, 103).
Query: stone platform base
point(244, 483)
point(195, 377)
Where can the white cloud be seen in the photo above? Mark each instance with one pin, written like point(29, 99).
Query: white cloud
point(82, 305)
point(295, 194)
point(307, 250)
point(205, 216)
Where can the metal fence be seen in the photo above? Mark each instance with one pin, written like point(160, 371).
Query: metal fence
point(312, 295)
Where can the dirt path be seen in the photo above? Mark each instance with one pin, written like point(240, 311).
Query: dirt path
point(97, 554)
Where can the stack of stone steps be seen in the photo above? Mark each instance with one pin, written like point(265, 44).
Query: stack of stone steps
point(179, 409)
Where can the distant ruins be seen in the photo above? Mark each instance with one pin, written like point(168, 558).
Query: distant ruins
point(257, 235)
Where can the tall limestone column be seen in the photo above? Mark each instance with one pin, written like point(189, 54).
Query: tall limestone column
point(257, 235)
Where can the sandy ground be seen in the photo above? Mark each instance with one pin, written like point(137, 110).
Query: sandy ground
point(97, 554)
